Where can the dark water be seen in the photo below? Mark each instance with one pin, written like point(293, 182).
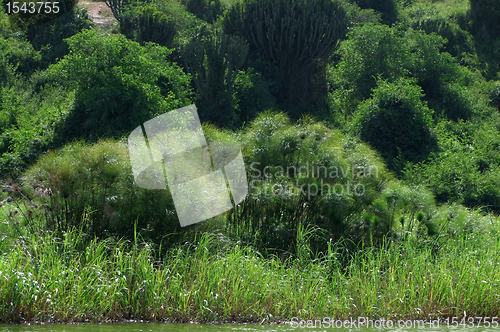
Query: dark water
point(155, 327)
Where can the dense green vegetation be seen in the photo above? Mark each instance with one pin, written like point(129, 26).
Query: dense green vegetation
point(370, 132)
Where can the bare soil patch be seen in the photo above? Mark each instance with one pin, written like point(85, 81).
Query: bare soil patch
point(101, 14)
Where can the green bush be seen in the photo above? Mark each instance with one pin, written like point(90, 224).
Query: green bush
point(119, 84)
point(466, 171)
point(91, 187)
point(460, 42)
point(207, 10)
point(187, 25)
point(214, 58)
point(373, 50)
point(388, 8)
point(252, 93)
point(20, 55)
point(21, 142)
point(397, 123)
point(48, 38)
point(393, 53)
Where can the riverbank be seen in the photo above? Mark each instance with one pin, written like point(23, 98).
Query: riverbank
point(44, 279)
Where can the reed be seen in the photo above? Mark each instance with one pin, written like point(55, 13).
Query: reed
point(43, 278)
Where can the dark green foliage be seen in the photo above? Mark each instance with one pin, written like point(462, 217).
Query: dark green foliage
point(252, 94)
point(388, 8)
point(119, 84)
point(147, 24)
point(467, 170)
point(187, 25)
point(207, 10)
point(373, 50)
point(214, 59)
point(494, 94)
point(486, 16)
point(391, 53)
point(460, 43)
point(297, 36)
point(28, 120)
point(397, 123)
point(20, 55)
point(49, 38)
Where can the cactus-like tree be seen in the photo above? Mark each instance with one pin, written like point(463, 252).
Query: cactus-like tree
point(117, 7)
point(295, 35)
point(213, 58)
point(147, 24)
point(156, 27)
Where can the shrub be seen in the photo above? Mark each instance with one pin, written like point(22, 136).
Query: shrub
point(119, 84)
point(466, 170)
point(91, 187)
point(373, 52)
point(252, 93)
point(388, 8)
point(20, 55)
point(207, 10)
point(21, 142)
point(187, 25)
point(397, 123)
point(49, 37)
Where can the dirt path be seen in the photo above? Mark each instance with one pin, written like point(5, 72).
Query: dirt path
point(101, 14)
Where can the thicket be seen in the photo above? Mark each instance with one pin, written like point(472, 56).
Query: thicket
point(406, 161)
point(303, 179)
point(118, 85)
point(397, 122)
point(415, 90)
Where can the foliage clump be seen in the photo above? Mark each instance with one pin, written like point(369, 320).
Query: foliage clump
point(91, 188)
point(119, 84)
point(397, 122)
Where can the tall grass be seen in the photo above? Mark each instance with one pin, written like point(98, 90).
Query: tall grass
point(43, 278)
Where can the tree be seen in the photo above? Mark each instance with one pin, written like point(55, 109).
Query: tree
point(213, 59)
point(397, 123)
point(119, 84)
point(117, 8)
point(296, 35)
point(486, 15)
point(148, 24)
point(388, 8)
